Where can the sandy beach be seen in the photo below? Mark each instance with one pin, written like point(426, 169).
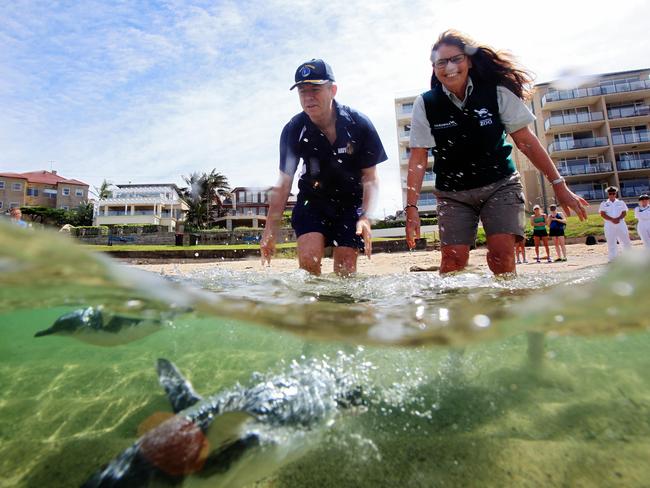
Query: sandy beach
point(579, 256)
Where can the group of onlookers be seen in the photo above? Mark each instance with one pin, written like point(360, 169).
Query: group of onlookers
point(613, 212)
point(556, 223)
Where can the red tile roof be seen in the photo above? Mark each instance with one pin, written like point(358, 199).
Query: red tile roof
point(12, 175)
point(45, 177)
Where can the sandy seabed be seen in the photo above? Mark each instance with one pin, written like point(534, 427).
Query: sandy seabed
point(579, 256)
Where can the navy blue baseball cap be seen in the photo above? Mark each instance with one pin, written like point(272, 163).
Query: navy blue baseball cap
point(316, 72)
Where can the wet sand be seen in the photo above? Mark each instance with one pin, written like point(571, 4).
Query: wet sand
point(579, 256)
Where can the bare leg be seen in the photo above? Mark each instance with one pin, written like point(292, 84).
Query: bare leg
point(536, 240)
point(548, 251)
point(311, 247)
point(453, 258)
point(345, 260)
point(556, 241)
point(500, 255)
point(563, 246)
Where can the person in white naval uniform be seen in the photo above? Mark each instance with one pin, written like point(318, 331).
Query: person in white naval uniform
point(613, 211)
point(642, 214)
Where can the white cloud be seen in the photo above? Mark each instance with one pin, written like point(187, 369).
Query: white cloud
point(109, 90)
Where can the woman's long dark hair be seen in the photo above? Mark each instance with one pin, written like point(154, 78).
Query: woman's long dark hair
point(488, 65)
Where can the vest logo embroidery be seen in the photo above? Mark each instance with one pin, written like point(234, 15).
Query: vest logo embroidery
point(445, 125)
point(485, 117)
point(348, 149)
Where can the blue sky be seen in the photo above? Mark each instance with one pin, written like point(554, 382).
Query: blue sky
point(149, 91)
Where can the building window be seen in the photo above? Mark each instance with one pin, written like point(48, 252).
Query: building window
point(65, 207)
point(1, 204)
point(407, 108)
point(65, 192)
point(2, 185)
point(79, 193)
point(14, 205)
point(32, 192)
point(17, 187)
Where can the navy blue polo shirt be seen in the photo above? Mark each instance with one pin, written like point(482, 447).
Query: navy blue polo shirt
point(331, 173)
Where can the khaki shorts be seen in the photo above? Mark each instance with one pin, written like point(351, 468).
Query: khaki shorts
point(499, 205)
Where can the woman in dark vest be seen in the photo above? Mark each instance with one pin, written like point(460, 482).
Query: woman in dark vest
point(476, 99)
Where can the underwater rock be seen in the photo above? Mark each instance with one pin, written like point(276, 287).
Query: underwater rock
point(235, 437)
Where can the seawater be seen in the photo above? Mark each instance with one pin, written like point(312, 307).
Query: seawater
point(453, 398)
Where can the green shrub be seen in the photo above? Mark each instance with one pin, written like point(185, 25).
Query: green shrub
point(89, 230)
point(391, 224)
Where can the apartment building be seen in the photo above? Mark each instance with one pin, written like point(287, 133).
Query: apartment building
point(403, 111)
point(155, 203)
point(597, 134)
point(41, 188)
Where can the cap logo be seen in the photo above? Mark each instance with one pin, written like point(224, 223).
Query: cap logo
point(305, 71)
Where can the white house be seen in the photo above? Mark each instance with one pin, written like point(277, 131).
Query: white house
point(158, 204)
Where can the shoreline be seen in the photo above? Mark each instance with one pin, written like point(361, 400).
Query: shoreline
point(579, 256)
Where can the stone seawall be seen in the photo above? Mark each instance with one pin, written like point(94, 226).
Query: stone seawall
point(190, 254)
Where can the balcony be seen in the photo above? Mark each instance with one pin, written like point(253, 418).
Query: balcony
point(585, 169)
point(574, 121)
point(427, 202)
point(588, 95)
point(582, 94)
point(632, 138)
point(632, 164)
point(405, 113)
point(573, 144)
point(127, 219)
point(620, 113)
point(590, 194)
point(428, 181)
point(633, 191)
point(632, 87)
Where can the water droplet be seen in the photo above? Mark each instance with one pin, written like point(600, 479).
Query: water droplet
point(481, 321)
point(443, 315)
point(419, 312)
point(622, 288)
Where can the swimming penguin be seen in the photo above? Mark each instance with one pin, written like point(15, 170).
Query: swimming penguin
point(227, 440)
point(94, 326)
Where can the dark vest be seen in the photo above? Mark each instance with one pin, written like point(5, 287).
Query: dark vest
point(471, 149)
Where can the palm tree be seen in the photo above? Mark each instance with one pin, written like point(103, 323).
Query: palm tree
point(192, 194)
point(202, 192)
point(104, 191)
point(216, 187)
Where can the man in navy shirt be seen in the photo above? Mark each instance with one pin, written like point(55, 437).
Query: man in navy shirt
point(339, 148)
